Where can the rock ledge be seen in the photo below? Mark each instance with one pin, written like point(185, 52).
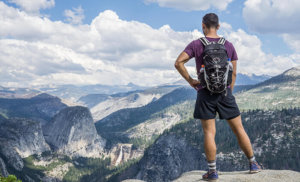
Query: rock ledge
point(239, 176)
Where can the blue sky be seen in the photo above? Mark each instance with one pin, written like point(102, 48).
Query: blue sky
point(156, 16)
point(130, 34)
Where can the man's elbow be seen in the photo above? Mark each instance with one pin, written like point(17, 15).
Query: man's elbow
point(177, 64)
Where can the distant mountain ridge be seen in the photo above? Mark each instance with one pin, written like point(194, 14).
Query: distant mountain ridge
point(241, 79)
point(41, 107)
point(281, 91)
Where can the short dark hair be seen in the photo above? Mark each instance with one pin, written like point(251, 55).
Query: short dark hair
point(210, 20)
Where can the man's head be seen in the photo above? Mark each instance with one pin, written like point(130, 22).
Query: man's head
point(210, 22)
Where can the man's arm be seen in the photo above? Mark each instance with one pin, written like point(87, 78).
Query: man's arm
point(179, 65)
point(233, 74)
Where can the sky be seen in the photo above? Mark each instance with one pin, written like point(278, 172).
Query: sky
point(48, 42)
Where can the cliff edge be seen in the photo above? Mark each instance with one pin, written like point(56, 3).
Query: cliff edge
point(239, 176)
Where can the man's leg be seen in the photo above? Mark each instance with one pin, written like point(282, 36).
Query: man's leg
point(209, 130)
point(242, 137)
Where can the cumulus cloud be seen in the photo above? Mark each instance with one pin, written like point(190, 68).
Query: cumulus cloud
point(273, 16)
point(35, 50)
point(192, 5)
point(74, 16)
point(129, 51)
point(33, 6)
point(251, 57)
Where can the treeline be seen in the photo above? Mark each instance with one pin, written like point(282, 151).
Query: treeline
point(275, 133)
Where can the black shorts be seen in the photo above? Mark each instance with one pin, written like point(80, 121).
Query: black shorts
point(207, 105)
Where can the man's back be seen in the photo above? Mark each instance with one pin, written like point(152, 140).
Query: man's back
point(196, 48)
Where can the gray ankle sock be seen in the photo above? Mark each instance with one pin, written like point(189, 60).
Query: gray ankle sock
point(252, 159)
point(212, 165)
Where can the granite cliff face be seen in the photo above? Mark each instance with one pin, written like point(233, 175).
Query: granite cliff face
point(169, 157)
point(3, 170)
point(19, 138)
point(72, 132)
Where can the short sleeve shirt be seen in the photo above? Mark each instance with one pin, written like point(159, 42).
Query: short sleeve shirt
point(195, 49)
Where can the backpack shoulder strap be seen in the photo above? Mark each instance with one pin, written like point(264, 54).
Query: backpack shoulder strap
point(204, 41)
point(222, 41)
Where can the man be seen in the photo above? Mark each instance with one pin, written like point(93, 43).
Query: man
point(208, 104)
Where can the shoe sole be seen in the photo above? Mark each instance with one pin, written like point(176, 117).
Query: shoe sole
point(210, 179)
point(253, 172)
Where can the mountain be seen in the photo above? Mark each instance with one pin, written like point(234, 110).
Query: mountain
point(241, 79)
point(281, 91)
point(69, 149)
point(250, 79)
point(72, 132)
point(20, 138)
point(12, 92)
point(152, 118)
point(41, 107)
point(133, 99)
point(73, 92)
point(274, 136)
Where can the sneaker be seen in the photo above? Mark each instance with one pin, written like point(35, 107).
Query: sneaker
point(255, 167)
point(210, 176)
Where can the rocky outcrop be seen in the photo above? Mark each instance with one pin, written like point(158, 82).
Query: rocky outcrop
point(244, 176)
point(3, 170)
point(72, 132)
point(167, 159)
point(19, 138)
point(122, 152)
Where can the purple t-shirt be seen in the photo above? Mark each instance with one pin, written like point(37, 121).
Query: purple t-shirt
point(195, 49)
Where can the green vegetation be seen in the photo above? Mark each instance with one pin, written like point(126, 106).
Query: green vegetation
point(85, 167)
point(10, 178)
point(276, 133)
point(143, 142)
point(29, 163)
point(116, 171)
point(110, 174)
point(270, 97)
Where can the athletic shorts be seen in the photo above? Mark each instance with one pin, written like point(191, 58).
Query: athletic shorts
point(207, 105)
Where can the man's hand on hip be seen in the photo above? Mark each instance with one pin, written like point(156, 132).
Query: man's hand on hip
point(193, 82)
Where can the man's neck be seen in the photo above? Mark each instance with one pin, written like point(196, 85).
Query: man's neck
point(212, 35)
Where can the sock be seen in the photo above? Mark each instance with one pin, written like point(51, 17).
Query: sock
point(212, 165)
point(252, 159)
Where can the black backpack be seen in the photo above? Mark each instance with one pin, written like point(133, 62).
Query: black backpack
point(216, 74)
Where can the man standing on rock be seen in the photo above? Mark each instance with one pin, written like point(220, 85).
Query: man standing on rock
point(207, 104)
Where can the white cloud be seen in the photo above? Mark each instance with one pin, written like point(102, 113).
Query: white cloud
point(275, 16)
point(192, 5)
point(35, 50)
point(131, 51)
point(272, 16)
point(74, 16)
point(251, 57)
point(293, 40)
point(33, 6)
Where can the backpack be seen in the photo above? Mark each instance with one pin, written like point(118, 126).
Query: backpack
point(215, 73)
